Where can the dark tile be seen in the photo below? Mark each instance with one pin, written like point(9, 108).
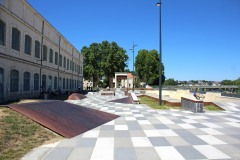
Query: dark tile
point(159, 141)
point(188, 152)
point(125, 154)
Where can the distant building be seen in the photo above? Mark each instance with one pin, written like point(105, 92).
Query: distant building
point(34, 56)
point(123, 79)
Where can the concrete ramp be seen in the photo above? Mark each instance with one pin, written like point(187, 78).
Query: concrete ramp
point(229, 106)
point(66, 119)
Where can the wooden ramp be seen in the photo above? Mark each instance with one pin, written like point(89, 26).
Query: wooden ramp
point(64, 118)
point(127, 100)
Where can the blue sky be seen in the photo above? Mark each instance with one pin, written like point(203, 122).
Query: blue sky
point(200, 38)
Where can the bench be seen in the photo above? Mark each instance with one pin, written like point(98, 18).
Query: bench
point(107, 93)
point(134, 98)
point(195, 106)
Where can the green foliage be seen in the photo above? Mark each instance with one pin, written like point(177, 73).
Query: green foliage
point(170, 82)
point(147, 67)
point(227, 82)
point(103, 59)
point(212, 108)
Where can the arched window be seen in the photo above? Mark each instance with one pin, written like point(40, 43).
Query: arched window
point(37, 49)
point(63, 83)
point(15, 39)
point(51, 56)
point(64, 62)
point(60, 83)
point(26, 81)
point(67, 84)
point(44, 81)
point(14, 81)
point(50, 83)
point(36, 81)
point(1, 84)
point(28, 45)
point(2, 32)
point(55, 82)
point(67, 64)
point(60, 60)
point(44, 53)
point(56, 58)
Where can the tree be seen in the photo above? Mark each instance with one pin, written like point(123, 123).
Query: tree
point(147, 67)
point(103, 59)
point(170, 82)
point(92, 62)
point(227, 82)
point(114, 59)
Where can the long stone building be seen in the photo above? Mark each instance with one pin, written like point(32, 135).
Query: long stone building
point(34, 56)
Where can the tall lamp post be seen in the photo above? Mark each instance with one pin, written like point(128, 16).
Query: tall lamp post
point(159, 4)
point(134, 45)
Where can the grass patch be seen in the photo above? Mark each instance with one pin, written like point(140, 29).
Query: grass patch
point(153, 103)
point(212, 108)
point(18, 134)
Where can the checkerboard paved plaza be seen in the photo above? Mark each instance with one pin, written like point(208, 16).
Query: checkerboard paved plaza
point(142, 133)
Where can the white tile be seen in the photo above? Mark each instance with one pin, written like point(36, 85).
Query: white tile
point(121, 127)
point(152, 133)
point(138, 106)
point(197, 117)
point(106, 153)
point(233, 124)
point(189, 121)
point(141, 142)
point(232, 104)
point(165, 120)
point(176, 114)
point(233, 108)
point(143, 122)
point(186, 111)
point(127, 113)
point(91, 134)
point(210, 152)
point(211, 131)
point(105, 142)
point(232, 120)
point(186, 126)
point(210, 139)
point(134, 110)
point(167, 133)
point(168, 153)
point(160, 133)
point(211, 125)
point(110, 123)
point(138, 115)
point(130, 118)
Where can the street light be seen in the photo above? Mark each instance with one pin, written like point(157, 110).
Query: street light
point(134, 45)
point(159, 4)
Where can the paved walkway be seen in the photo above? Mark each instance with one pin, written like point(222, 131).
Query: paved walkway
point(142, 133)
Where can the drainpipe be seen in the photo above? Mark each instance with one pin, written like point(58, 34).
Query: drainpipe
point(59, 45)
point(72, 86)
point(41, 59)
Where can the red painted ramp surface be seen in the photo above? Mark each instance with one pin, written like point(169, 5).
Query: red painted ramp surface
point(66, 119)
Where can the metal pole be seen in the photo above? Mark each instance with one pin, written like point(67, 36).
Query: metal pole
point(134, 45)
point(160, 52)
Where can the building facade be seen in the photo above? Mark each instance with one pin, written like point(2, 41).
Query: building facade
point(34, 56)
